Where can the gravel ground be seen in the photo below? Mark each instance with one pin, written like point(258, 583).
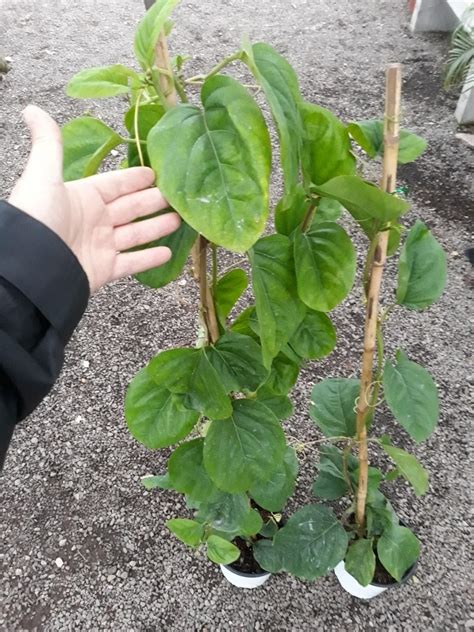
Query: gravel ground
point(82, 545)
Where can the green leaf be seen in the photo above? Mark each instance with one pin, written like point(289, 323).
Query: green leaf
point(315, 337)
point(267, 556)
point(291, 210)
point(360, 561)
point(280, 405)
point(394, 238)
point(411, 395)
point(189, 372)
point(213, 164)
point(368, 205)
point(149, 29)
point(333, 404)
point(252, 523)
point(187, 473)
point(279, 311)
point(162, 481)
point(100, 83)
point(244, 449)
point(155, 416)
point(331, 482)
point(148, 116)
point(325, 263)
point(229, 289)
point(311, 543)
point(269, 529)
point(273, 493)
point(327, 210)
point(226, 513)
point(398, 549)
point(283, 375)
point(326, 146)
point(220, 551)
point(244, 323)
point(237, 360)
point(409, 468)
point(87, 141)
point(280, 85)
point(369, 136)
point(188, 531)
point(421, 269)
point(180, 243)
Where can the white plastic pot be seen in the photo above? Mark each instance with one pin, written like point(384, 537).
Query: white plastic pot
point(244, 580)
point(352, 586)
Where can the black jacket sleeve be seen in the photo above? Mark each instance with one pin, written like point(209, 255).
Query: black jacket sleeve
point(43, 295)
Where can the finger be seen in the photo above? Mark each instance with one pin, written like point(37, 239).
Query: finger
point(129, 207)
point(139, 233)
point(134, 262)
point(46, 156)
point(114, 184)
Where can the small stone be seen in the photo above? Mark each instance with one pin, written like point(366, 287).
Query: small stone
point(59, 563)
point(85, 364)
point(182, 282)
point(455, 254)
point(18, 572)
point(62, 542)
point(114, 152)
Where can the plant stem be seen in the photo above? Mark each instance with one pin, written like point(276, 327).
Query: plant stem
point(166, 78)
point(135, 127)
point(390, 160)
point(308, 217)
point(222, 64)
point(208, 309)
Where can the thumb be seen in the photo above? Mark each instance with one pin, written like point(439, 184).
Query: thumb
point(46, 156)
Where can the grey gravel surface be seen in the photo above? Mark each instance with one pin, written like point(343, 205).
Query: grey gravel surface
point(82, 545)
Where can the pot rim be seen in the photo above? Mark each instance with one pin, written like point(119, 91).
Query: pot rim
point(241, 574)
point(408, 574)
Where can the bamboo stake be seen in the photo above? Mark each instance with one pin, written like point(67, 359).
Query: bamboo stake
point(209, 316)
point(388, 183)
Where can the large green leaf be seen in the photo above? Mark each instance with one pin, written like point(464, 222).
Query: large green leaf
point(398, 549)
point(189, 372)
point(332, 482)
point(283, 375)
point(421, 269)
point(160, 481)
point(229, 289)
point(267, 556)
point(325, 263)
point(360, 561)
point(326, 146)
point(187, 473)
point(226, 513)
point(273, 494)
point(244, 323)
point(280, 405)
point(244, 449)
point(148, 116)
point(180, 242)
point(221, 551)
point(409, 468)
point(100, 83)
point(280, 85)
point(279, 311)
point(188, 531)
point(311, 543)
point(315, 337)
point(149, 29)
point(411, 395)
point(87, 141)
point(237, 360)
point(291, 210)
point(333, 404)
point(369, 135)
point(155, 416)
point(213, 164)
point(371, 207)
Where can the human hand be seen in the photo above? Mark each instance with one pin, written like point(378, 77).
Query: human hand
point(93, 216)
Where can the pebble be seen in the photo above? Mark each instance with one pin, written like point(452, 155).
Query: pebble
point(59, 563)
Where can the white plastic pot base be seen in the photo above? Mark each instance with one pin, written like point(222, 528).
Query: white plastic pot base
point(352, 586)
point(243, 581)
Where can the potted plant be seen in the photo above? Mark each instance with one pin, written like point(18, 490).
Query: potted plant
point(370, 547)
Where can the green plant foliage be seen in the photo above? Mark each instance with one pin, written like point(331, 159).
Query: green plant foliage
point(421, 269)
point(333, 404)
point(213, 164)
point(369, 136)
point(87, 141)
point(161, 481)
point(326, 146)
point(155, 416)
point(283, 375)
point(148, 116)
point(360, 561)
point(291, 210)
point(101, 83)
point(221, 551)
point(332, 481)
point(371, 207)
point(327, 210)
point(188, 531)
point(315, 337)
point(409, 468)
point(268, 556)
point(411, 395)
point(187, 473)
point(228, 514)
point(229, 289)
point(398, 549)
point(311, 543)
point(245, 448)
point(278, 309)
point(280, 405)
point(149, 30)
point(280, 85)
point(274, 493)
point(325, 265)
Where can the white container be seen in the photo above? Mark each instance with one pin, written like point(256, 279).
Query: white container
point(244, 580)
point(352, 586)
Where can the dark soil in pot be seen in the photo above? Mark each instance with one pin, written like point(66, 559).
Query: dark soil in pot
point(383, 578)
point(246, 562)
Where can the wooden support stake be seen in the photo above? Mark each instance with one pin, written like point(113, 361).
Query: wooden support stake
point(388, 184)
point(208, 309)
